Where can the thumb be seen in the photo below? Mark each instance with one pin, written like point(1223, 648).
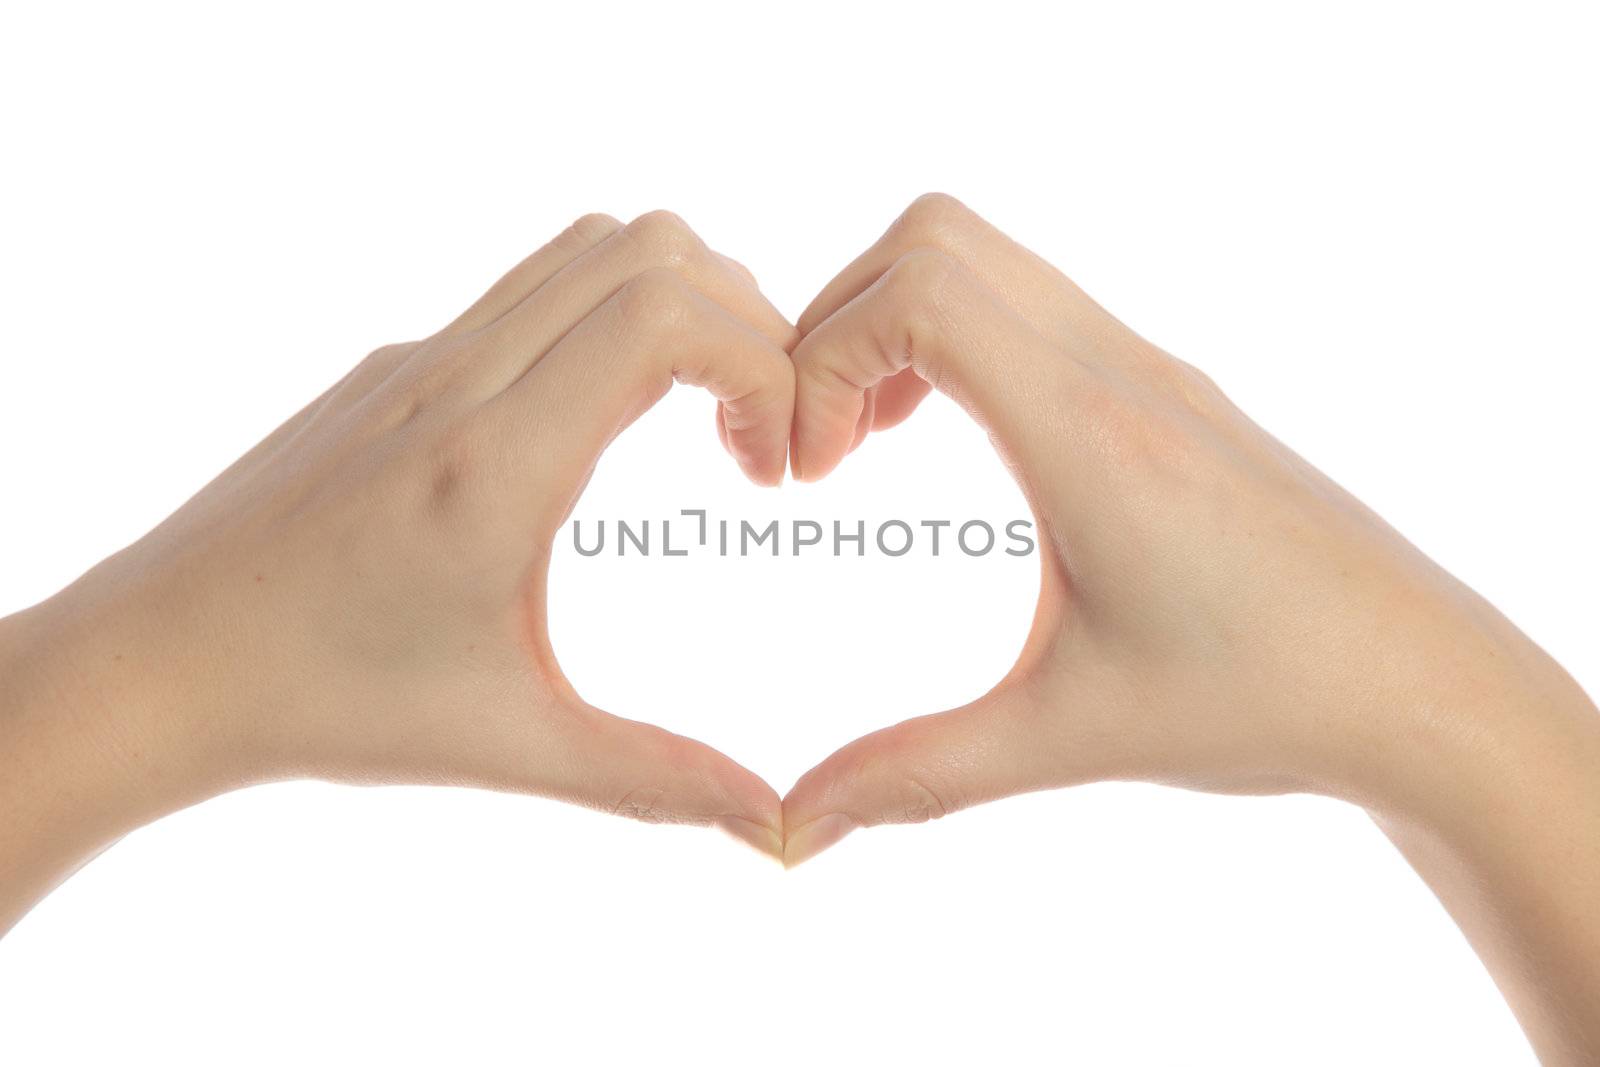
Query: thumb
point(571, 751)
point(647, 773)
point(921, 769)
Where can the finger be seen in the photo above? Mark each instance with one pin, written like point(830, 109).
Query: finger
point(749, 276)
point(898, 397)
point(560, 747)
point(654, 241)
point(888, 404)
point(624, 357)
point(930, 315)
point(920, 769)
point(869, 405)
point(647, 773)
point(740, 268)
point(1044, 297)
point(534, 271)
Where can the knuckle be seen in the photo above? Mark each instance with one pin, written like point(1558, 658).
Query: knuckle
point(925, 271)
point(389, 353)
point(368, 376)
point(643, 804)
point(404, 397)
point(921, 290)
point(588, 230)
point(904, 786)
point(1174, 380)
point(665, 238)
point(920, 801)
point(655, 302)
point(458, 459)
point(737, 267)
point(1195, 386)
point(935, 218)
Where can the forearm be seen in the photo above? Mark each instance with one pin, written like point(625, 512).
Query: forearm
point(1506, 831)
point(92, 744)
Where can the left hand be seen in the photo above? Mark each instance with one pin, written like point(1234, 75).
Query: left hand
point(362, 596)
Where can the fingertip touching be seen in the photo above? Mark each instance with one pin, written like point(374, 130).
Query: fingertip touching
point(878, 338)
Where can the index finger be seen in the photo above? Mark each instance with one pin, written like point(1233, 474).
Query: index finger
point(1037, 292)
point(622, 358)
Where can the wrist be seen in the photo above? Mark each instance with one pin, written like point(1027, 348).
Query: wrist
point(1504, 826)
point(1472, 753)
point(98, 736)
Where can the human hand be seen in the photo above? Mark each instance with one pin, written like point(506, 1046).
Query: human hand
point(362, 596)
point(1213, 612)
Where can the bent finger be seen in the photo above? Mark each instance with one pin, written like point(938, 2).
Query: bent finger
point(1046, 298)
point(620, 360)
point(655, 241)
point(525, 277)
point(930, 315)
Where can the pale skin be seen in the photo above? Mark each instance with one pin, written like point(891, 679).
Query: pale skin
point(360, 598)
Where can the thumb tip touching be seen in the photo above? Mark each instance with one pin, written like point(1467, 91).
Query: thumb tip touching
point(757, 835)
point(915, 771)
point(816, 836)
point(791, 847)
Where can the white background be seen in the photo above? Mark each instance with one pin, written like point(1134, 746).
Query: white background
point(1375, 226)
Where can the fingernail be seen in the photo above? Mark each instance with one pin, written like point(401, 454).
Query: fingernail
point(814, 836)
point(772, 479)
point(758, 836)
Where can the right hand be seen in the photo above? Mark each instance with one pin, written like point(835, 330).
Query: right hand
point(1214, 612)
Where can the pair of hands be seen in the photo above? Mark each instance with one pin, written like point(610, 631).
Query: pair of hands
point(362, 596)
